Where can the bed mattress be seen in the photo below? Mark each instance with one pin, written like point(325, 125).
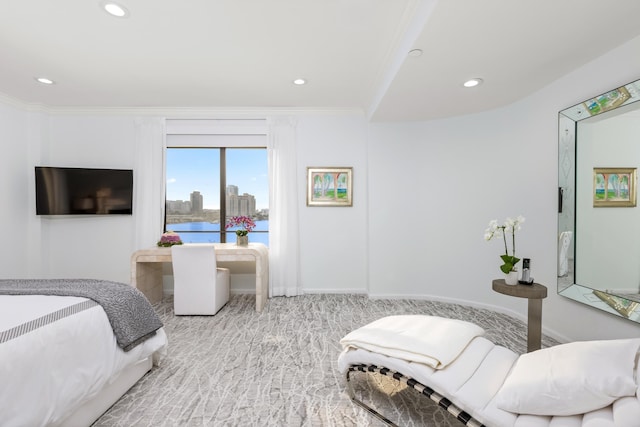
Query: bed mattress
point(57, 353)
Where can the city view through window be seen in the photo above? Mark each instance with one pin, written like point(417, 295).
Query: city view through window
point(193, 193)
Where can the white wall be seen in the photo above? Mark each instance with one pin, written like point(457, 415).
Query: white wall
point(84, 246)
point(333, 240)
point(434, 186)
point(423, 195)
point(14, 184)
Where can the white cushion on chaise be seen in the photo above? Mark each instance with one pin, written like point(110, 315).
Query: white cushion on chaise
point(474, 380)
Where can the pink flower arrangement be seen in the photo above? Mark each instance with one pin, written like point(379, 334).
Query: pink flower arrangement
point(169, 238)
point(245, 223)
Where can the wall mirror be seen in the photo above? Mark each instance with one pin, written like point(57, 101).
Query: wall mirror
point(598, 217)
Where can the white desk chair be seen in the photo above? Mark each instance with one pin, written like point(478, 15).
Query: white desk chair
point(199, 287)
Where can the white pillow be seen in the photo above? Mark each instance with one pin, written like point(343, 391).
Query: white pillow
point(571, 378)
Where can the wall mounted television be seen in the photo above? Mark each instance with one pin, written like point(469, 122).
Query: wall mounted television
point(83, 191)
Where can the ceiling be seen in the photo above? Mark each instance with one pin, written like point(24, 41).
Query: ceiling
point(231, 55)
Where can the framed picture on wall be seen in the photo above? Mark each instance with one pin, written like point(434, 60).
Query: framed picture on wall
point(614, 187)
point(329, 186)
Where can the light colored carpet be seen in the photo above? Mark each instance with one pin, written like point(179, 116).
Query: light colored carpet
point(278, 367)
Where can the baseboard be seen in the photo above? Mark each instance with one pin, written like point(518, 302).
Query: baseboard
point(242, 291)
point(498, 309)
point(334, 291)
point(232, 291)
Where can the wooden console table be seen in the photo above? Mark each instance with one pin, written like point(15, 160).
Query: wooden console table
point(146, 268)
point(535, 293)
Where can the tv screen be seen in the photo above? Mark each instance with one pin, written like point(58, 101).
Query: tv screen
point(82, 191)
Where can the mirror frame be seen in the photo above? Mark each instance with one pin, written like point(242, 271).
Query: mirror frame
point(568, 120)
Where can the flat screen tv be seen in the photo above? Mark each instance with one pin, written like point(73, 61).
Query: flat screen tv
point(82, 191)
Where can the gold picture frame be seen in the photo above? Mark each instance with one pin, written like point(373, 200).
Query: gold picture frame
point(329, 186)
point(614, 187)
point(607, 101)
point(622, 305)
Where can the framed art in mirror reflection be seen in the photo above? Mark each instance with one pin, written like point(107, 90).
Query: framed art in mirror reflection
point(614, 187)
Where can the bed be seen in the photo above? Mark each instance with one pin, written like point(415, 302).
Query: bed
point(65, 359)
point(581, 384)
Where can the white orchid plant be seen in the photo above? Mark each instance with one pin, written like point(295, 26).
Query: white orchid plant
point(510, 226)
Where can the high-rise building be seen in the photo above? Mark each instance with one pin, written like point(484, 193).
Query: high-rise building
point(178, 207)
point(232, 190)
point(196, 203)
point(244, 205)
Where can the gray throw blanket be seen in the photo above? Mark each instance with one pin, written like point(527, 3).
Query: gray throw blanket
point(132, 318)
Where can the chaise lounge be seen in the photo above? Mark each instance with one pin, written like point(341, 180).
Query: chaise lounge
point(584, 384)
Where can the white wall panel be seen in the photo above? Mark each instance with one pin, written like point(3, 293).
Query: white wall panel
point(333, 240)
point(90, 246)
point(14, 191)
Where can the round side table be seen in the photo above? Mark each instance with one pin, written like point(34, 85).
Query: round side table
point(535, 293)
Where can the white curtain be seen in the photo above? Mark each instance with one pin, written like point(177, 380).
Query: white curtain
point(149, 181)
point(284, 271)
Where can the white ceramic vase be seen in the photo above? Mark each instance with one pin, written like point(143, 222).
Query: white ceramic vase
point(511, 278)
point(242, 240)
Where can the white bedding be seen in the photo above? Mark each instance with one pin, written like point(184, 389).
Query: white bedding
point(49, 372)
point(432, 340)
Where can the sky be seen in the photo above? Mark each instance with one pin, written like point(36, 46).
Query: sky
point(198, 169)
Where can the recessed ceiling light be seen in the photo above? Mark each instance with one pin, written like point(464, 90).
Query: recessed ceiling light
point(115, 9)
point(299, 81)
point(44, 80)
point(415, 52)
point(472, 82)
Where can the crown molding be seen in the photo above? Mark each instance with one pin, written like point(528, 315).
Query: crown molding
point(178, 112)
point(200, 112)
point(21, 105)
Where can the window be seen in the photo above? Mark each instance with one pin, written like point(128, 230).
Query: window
point(206, 186)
